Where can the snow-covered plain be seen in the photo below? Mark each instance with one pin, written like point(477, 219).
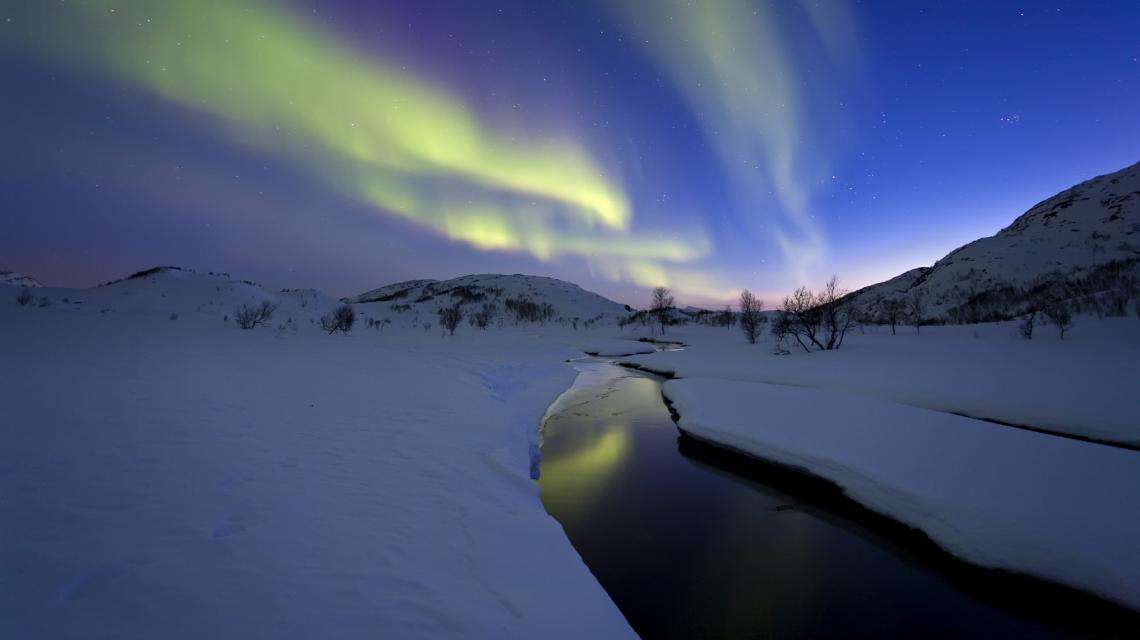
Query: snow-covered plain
point(165, 474)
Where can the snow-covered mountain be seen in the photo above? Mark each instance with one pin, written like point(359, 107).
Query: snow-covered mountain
point(1086, 238)
point(18, 279)
point(505, 296)
point(178, 293)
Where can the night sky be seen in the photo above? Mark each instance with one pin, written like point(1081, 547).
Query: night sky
point(706, 146)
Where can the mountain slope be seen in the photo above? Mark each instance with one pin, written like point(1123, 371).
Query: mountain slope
point(175, 293)
point(1085, 240)
point(506, 296)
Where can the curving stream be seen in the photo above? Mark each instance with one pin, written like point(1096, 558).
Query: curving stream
point(691, 542)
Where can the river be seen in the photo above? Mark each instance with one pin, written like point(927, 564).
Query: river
point(691, 542)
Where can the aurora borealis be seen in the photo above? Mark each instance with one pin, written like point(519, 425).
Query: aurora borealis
point(705, 146)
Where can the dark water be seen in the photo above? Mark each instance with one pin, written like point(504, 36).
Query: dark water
point(690, 542)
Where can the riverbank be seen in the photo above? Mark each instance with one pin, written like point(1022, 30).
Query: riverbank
point(1049, 507)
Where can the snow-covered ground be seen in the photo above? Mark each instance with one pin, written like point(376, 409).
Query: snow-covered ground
point(1086, 385)
point(1050, 507)
point(165, 474)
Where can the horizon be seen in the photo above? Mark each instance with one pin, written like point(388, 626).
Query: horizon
point(434, 142)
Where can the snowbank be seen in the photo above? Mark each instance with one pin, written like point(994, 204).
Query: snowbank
point(1085, 385)
point(165, 474)
point(1050, 507)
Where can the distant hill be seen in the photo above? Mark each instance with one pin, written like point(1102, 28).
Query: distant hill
point(512, 297)
point(1083, 244)
point(188, 294)
point(18, 279)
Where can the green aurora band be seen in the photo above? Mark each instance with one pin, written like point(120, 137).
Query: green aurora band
point(369, 131)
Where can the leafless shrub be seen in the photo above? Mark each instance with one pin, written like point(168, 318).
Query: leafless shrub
point(1025, 327)
point(726, 318)
point(248, 317)
point(781, 329)
point(891, 312)
point(449, 318)
point(1057, 312)
point(916, 310)
point(751, 320)
point(24, 297)
point(527, 310)
point(340, 319)
point(817, 320)
point(379, 324)
point(484, 315)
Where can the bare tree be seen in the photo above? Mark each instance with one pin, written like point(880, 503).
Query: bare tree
point(781, 329)
point(817, 320)
point(378, 324)
point(916, 309)
point(483, 316)
point(24, 297)
point(248, 317)
point(838, 318)
point(751, 321)
point(1058, 312)
point(449, 318)
point(341, 319)
point(891, 311)
point(802, 318)
point(1025, 327)
point(662, 302)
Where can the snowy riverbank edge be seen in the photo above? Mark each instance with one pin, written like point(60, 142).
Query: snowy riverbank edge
point(1081, 387)
point(1053, 508)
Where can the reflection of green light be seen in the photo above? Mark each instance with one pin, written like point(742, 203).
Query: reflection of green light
point(575, 473)
point(589, 464)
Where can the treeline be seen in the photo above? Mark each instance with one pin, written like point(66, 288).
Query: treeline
point(1110, 289)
